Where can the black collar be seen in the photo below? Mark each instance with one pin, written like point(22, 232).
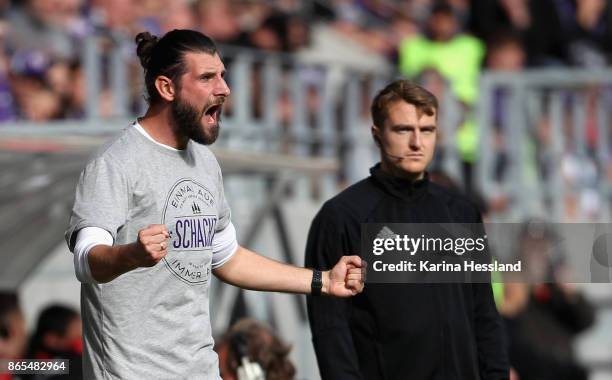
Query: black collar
point(399, 187)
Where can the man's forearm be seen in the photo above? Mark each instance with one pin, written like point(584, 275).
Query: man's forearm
point(249, 270)
point(107, 263)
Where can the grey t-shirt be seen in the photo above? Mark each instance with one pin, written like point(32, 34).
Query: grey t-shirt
point(151, 323)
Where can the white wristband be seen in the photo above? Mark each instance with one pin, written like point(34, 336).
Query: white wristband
point(87, 238)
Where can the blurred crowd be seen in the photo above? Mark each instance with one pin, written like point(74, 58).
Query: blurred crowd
point(56, 335)
point(248, 350)
point(444, 45)
point(543, 313)
point(41, 76)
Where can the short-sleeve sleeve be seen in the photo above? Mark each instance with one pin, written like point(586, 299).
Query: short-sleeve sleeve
point(101, 199)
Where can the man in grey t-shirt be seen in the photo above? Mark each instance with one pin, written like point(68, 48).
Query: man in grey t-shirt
point(150, 224)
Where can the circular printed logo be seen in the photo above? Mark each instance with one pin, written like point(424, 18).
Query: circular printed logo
point(191, 217)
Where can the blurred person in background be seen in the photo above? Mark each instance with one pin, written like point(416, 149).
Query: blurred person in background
point(402, 26)
point(72, 18)
point(257, 342)
point(535, 21)
point(401, 331)
point(8, 110)
point(376, 26)
point(37, 25)
point(505, 54)
point(13, 336)
point(35, 99)
point(271, 34)
point(57, 335)
point(580, 167)
point(220, 20)
point(543, 312)
point(76, 92)
point(117, 16)
point(587, 28)
point(457, 57)
point(161, 16)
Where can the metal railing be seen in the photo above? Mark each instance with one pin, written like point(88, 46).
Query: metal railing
point(284, 104)
point(552, 128)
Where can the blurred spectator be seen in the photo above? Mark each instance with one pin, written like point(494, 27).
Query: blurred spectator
point(587, 25)
point(536, 21)
point(260, 344)
point(270, 34)
point(7, 105)
point(37, 25)
point(34, 99)
point(159, 17)
point(58, 336)
point(219, 21)
point(53, 27)
point(505, 53)
point(374, 25)
point(75, 98)
point(580, 175)
point(278, 31)
point(457, 57)
point(118, 16)
point(12, 328)
point(543, 313)
point(401, 27)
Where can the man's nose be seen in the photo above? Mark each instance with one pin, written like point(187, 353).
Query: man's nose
point(222, 89)
point(415, 140)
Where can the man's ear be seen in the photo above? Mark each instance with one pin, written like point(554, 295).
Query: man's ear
point(376, 135)
point(165, 88)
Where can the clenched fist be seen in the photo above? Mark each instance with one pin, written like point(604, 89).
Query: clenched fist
point(151, 245)
point(347, 277)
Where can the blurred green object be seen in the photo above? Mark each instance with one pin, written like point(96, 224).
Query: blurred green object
point(498, 289)
point(458, 60)
point(467, 139)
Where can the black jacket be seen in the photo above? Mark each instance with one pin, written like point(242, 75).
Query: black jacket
point(400, 331)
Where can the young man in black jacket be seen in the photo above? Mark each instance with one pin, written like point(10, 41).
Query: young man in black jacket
point(401, 331)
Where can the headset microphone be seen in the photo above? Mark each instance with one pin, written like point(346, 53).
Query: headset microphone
point(391, 155)
point(382, 148)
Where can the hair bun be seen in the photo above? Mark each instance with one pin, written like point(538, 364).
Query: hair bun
point(145, 42)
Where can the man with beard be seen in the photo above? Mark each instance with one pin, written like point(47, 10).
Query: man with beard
point(150, 224)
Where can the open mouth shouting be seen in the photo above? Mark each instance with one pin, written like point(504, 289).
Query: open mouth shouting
point(212, 114)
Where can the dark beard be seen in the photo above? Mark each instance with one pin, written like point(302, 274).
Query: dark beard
point(187, 119)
